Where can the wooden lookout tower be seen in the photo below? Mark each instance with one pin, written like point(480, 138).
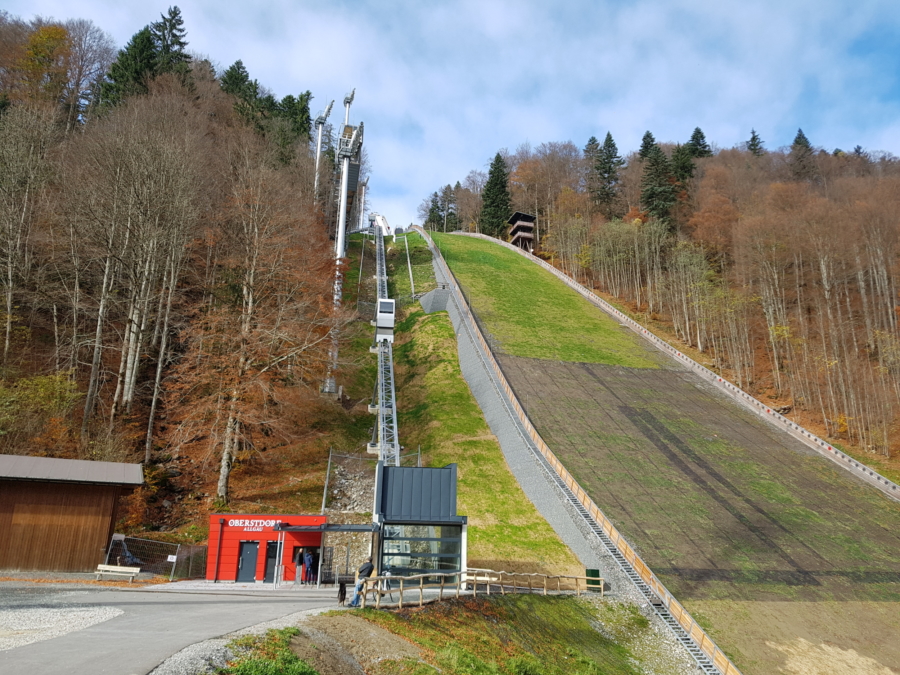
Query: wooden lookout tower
point(521, 230)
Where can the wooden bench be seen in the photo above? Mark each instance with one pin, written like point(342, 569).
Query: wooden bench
point(130, 572)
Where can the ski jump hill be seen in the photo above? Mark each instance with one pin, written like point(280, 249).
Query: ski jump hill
point(724, 508)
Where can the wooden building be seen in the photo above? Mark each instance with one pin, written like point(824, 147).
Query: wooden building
point(59, 514)
point(521, 230)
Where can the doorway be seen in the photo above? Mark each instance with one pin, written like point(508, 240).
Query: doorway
point(247, 561)
point(271, 561)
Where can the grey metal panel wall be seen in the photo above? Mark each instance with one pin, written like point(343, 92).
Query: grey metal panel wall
point(418, 493)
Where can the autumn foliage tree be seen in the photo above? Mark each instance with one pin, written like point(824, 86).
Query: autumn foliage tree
point(781, 265)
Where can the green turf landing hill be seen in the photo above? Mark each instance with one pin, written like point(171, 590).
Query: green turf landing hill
point(531, 313)
point(398, 267)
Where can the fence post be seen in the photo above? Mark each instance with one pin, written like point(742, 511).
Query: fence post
point(174, 563)
point(400, 604)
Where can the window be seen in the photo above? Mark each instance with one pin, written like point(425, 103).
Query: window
point(407, 550)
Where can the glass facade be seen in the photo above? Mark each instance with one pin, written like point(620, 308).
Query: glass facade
point(408, 549)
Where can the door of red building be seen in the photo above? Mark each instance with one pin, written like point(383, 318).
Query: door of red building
point(247, 561)
point(271, 561)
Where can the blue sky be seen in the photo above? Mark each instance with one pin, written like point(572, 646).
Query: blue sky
point(441, 86)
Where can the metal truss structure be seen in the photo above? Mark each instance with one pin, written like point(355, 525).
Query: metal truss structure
point(388, 441)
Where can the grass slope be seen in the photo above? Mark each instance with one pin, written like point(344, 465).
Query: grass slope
point(398, 267)
point(438, 412)
point(529, 312)
point(526, 635)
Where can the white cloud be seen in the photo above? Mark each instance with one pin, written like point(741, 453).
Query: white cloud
point(443, 85)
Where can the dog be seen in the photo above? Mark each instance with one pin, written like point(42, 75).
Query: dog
point(342, 593)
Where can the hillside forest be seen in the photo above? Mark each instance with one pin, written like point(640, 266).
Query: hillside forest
point(166, 271)
point(778, 265)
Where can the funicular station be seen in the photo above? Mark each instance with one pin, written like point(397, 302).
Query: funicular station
point(415, 528)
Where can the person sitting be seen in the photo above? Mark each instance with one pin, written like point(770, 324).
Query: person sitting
point(364, 572)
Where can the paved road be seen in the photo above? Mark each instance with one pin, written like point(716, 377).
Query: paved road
point(154, 625)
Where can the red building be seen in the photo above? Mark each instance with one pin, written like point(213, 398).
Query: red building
point(248, 547)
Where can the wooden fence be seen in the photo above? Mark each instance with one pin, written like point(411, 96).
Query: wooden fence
point(492, 582)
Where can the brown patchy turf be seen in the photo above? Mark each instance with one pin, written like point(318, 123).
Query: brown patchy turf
point(833, 638)
point(720, 504)
point(741, 522)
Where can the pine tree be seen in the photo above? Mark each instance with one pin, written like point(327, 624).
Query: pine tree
point(495, 209)
point(698, 146)
point(801, 157)
point(801, 141)
point(647, 145)
point(133, 67)
point(591, 154)
point(607, 170)
point(296, 111)
point(236, 81)
point(658, 190)
point(434, 213)
point(168, 35)
point(283, 121)
point(755, 144)
point(683, 163)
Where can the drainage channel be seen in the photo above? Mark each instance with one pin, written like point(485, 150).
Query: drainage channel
point(704, 662)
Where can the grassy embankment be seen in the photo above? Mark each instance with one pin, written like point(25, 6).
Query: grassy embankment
point(735, 499)
point(515, 299)
point(398, 268)
point(505, 635)
point(526, 635)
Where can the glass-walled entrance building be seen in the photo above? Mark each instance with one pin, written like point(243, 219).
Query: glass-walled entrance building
point(420, 529)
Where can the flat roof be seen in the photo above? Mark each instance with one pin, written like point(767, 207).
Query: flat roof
point(416, 494)
point(23, 467)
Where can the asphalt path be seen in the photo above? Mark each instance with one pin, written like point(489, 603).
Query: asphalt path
point(155, 624)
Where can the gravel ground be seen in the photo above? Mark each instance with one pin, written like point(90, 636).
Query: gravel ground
point(210, 655)
point(34, 614)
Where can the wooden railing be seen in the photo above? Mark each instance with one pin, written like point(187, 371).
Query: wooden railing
point(468, 581)
point(675, 608)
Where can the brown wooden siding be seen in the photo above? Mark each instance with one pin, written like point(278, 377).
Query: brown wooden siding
point(55, 526)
